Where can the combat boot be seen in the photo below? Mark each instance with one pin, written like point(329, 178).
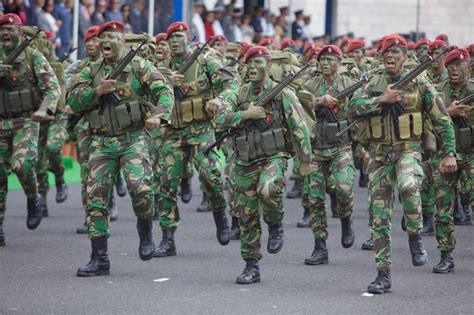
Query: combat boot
point(381, 284)
point(446, 264)
point(61, 193)
point(166, 247)
point(275, 238)
point(296, 190)
point(428, 225)
point(204, 206)
point(320, 254)
point(417, 250)
point(223, 232)
point(35, 212)
point(113, 209)
point(466, 209)
point(147, 246)
point(2, 235)
point(363, 179)
point(305, 221)
point(251, 273)
point(369, 244)
point(156, 215)
point(458, 214)
point(82, 229)
point(348, 235)
point(186, 192)
point(235, 229)
point(334, 209)
point(120, 185)
point(44, 203)
point(99, 265)
point(403, 224)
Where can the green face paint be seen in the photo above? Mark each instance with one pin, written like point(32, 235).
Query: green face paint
point(178, 43)
point(257, 69)
point(10, 36)
point(111, 45)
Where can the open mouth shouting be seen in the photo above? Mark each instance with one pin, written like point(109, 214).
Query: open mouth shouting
point(390, 64)
point(106, 49)
point(7, 40)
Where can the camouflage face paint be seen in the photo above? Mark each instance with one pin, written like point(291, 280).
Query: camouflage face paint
point(257, 68)
point(111, 45)
point(162, 50)
point(178, 42)
point(92, 47)
point(220, 47)
point(329, 65)
point(10, 36)
point(459, 72)
point(393, 60)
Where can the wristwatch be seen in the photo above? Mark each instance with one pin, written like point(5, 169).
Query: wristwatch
point(451, 154)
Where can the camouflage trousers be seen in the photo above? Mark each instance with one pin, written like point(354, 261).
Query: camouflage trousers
point(386, 169)
point(18, 153)
point(175, 152)
point(338, 162)
point(259, 190)
point(466, 176)
point(155, 144)
point(428, 190)
point(52, 136)
point(330, 188)
point(107, 155)
point(83, 141)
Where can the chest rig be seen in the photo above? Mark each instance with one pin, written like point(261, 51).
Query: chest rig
point(253, 143)
point(24, 98)
point(128, 115)
point(384, 129)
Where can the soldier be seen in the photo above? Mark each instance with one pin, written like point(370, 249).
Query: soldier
point(330, 155)
point(421, 47)
point(395, 152)
point(261, 157)
point(356, 51)
point(162, 48)
point(438, 72)
point(119, 139)
point(189, 132)
point(219, 44)
point(30, 92)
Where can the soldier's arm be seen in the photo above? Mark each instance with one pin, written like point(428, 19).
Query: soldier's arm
point(83, 96)
point(48, 83)
point(362, 105)
point(294, 116)
point(70, 71)
point(223, 82)
point(226, 114)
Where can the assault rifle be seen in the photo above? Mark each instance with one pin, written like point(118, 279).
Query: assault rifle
point(66, 55)
point(111, 98)
point(262, 124)
point(180, 92)
point(460, 121)
point(6, 82)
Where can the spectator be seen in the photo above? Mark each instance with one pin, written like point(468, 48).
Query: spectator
point(267, 26)
point(63, 12)
point(236, 21)
point(297, 25)
point(209, 24)
point(125, 10)
point(137, 18)
point(98, 16)
point(113, 12)
point(218, 30)
point(17, 7)
point(256, 20)
point(280, 27)
point(306, 34)
point(84, 24)
point(227, 23)
point(248, 31)
point(197, 23)
point(48, 22)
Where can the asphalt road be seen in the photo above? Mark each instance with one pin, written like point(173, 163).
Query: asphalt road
point(37, 269)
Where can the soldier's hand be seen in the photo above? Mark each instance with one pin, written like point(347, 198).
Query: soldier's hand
point(68, 110)
point(105, 87)
point(390, 96)
point(328, 101)
point(5, 70)
point(152, 123)
point(448, 165)
point(365, 158)
point(455, 110)
point(253, 112)
point(305, 168)
point(177, 79)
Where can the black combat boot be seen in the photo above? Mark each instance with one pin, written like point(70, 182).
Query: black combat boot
point(156, 215)
point(348, 235)
point(363, 179)
point(334, 208)
point(305, 221)
point(61, 192)
point(35, 212)
point(466, 209)
point(223, 232)
point(204, 206)
point(147, 246)
point(120, 185)
point(428, 225)
point(296, 190)
point(166, 247)
point(44, 203)
point(235, 229)
point(320, 254)
point(417, 250)
point(403, 224)
point(369, 244)
point(381, 284)
point(82, 229)
point(113, 209)
point(446, 263)
point(251, 273)
point(186, 192)
point(458, 214)
point(2, 235)
point(99, 264)
point(275, 238)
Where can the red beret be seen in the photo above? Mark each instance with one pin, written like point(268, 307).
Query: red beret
point(393, 40)
point(442, 37)
point(266, 42)
point(309, 48)
point(112, 26)
point(177, 27)
point(355, 44)
point(217, 38)
point(422, 41)
point(372, 52)
point(91, 32)
point(332, 50)
point(470, 49)
point(257, 51)
point(411, 45)
point(457, 54)
point(437, 43)
point(312, 52)
point(49, 35)
point(380, 42)
point(10, 19)
point(160, 36)
point(344, 41)
point(287, 42)
point(243, 49)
